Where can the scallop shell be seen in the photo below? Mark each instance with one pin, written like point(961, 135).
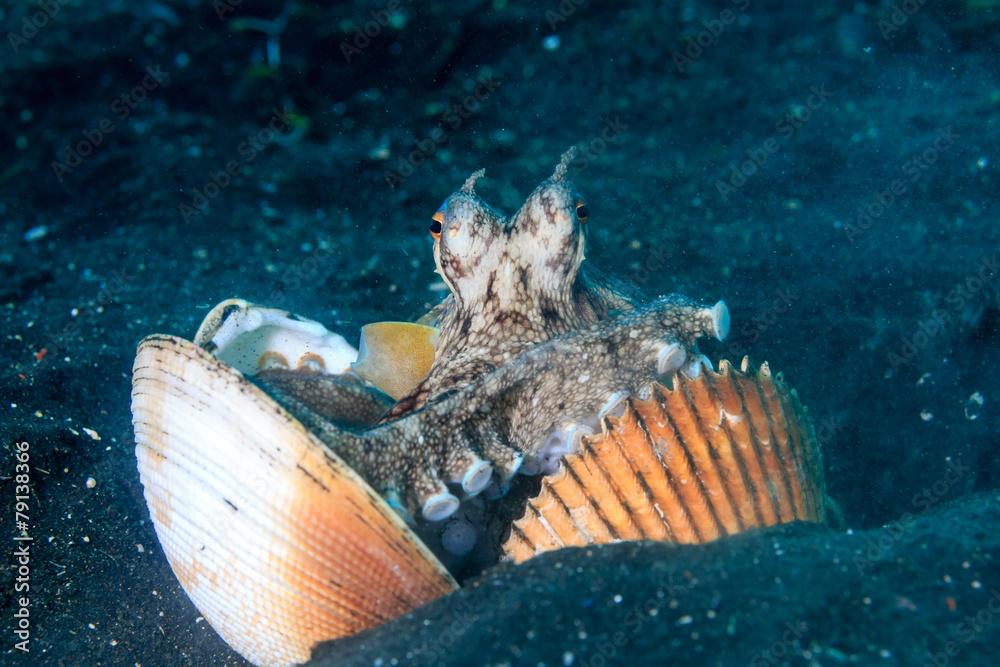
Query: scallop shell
point(716, 455)
point(275, 539)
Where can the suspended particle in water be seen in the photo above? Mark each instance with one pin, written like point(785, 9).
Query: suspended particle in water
point(973, 406)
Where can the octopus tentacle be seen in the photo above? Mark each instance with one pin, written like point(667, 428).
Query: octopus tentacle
point(507, 460)
point(466, 468)
point(526, 398)
point(341, 399)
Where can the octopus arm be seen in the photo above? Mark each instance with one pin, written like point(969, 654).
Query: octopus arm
point(493, 423)
point(341, 399)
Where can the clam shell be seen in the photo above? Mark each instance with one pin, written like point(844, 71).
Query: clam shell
point(718, 454)
point(265, 338)
point(275, 539)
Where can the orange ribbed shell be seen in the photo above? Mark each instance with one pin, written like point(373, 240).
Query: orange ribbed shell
point(716, 455)
point(276, 540)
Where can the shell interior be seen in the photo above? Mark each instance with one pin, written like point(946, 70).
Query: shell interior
point(252, 338)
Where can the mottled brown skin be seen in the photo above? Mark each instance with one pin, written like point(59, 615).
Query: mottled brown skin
point(528, 345)
point(515, 282)
point(342, 399)
point(510, 411)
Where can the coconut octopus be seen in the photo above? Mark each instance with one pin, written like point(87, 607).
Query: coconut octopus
point(300, 487)
point(523, 321)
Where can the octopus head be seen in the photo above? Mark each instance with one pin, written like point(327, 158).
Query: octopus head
point(467, 234)
point(548, 231)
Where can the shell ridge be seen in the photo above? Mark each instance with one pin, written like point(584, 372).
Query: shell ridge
point(617, 476)
point(544, 521)
point(797, 445)
point(752, 460)
point(655, 526)
point(536, 533)
point(715, 439)
point(561, 523)
point(592, 476)
point(782, 467)
point(698, 485)
point(812, 463)
point(658, 449)
point(709, 473)
point(687, 526)
point(774, 474)
point(779, 429)
point(553, 485)
point(726, 432)
point(517, 544)
point(588, 505)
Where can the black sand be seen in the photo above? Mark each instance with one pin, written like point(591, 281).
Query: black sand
point(858, 253)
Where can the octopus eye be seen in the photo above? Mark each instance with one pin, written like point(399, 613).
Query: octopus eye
point(582, 213)
point(435, 228)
